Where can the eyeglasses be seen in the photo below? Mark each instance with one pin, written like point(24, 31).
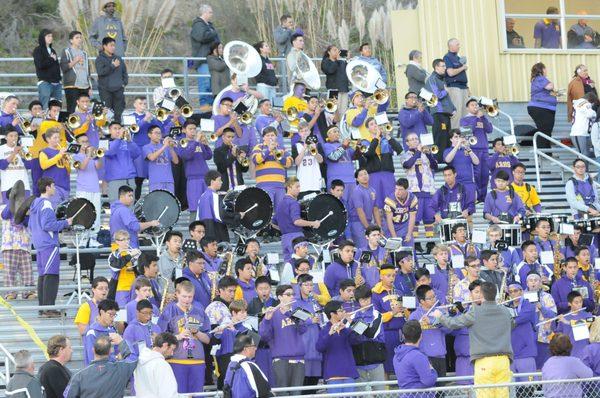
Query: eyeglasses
point(288, 294)
point(475, 266)
point(430, 298)
point(112, 314)
point(121, 239)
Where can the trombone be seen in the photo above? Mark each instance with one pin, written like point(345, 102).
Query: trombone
point(161, 114)
point(25, 125)
point(380, 96)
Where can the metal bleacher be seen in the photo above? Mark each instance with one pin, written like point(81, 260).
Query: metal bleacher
point(13, 336)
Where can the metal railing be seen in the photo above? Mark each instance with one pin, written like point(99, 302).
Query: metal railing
point(8, 359)
point(510, 122)
point(560, 146)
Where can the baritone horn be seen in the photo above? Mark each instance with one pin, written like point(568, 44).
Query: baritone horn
point(291, 113)
point(73, 121)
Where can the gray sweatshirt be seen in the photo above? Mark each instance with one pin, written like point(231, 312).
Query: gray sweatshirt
point(23, 379)
point(111, 78)
point(489, 326)
point(105, 26)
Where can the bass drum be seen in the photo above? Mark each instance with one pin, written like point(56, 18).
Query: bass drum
point(331, 211)
point(83, 209)
point(243, 200)
point(158, 205)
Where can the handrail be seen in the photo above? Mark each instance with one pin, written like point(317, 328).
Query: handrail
point(510, 121)
point(537, 152)
point(7, 357)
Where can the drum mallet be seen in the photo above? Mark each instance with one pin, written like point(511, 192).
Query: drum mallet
point(326, 217)
point(79, 211)
point(254, 206)
point(163, 213)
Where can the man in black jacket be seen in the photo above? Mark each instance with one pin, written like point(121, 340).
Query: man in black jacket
point(47, 69)
point(112, 77)
point(54, 375)
point(226, 159)
point(334, 69)
point(203, 35)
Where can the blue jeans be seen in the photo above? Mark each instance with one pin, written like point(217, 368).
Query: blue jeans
point(341, 389)
point(204, 85)
point(269, 92)
point(49, 90)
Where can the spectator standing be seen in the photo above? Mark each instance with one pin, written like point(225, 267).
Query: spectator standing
point(415, 72)
point(203, 36)
point(456, 80)
point(335, 76)
point(563, 366)
point(366, 54)
point(283, 40)
point(513, 39)
point(547, 31)
point(75, 66)
point(154, 376)
point(23, 377)
point(218, 69)
point(444, 109)
point(47, 69)
point(266, 80)
point(580, 84)
point(108, 25)
point(542, 106)
point(585, 115)
point(244, 378)
point(112, 77)
point(54, 375)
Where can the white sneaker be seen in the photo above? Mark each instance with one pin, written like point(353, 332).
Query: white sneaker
point(95, 243)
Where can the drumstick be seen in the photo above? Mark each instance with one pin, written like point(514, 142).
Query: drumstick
point(163, 213)
point(254, 206)
point(79, 211)
point(326, 217)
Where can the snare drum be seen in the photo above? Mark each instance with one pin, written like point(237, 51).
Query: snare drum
point(243, 200)
point(446, 226)
point(511, 234)
point(588, 224)
point(83, 210)
point(332, 214)
point(158, 205)
point(530, 221)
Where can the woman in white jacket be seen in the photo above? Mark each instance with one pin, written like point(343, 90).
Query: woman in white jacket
point(584, 116)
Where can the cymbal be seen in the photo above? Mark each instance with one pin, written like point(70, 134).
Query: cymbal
point(23, 210)
point(16, 196)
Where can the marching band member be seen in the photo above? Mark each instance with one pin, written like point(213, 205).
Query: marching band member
point(37, 115)
point(297, 101)
point(379, 255)
point(160, 156)
point(387, 302)
point(509, 256)
point(452, 200)
point(44, 236)
point(481, 128)
point(229, 159)
point(526, 192)
point(119, 160)
point(122, 262)
point(444, 108)
point(189, 323)
point(543, 243)
point(523, 335)
point(88, 310)
point(143, 120)
point(271, 161)
point(197, 232)
point(288, 217)
point(143, 291)
point(502, 159)
point(195, 272)
point(226, 119)
point(317, 119)
point(244, 270)
point(194, 157)
point(13, 165)
point(582, 254)
point(342, 268)
point(401, 212)
point(160, 92)
point(209, 250)
point(422, 277)
point(339, 158)
point(460, 245)
point(102, 325)
point(490, 272)
point(9, 116)
point(55, 165)
point(266, 118)
point(420, 165)
point(218, 310)
point(411, 365)
point(335, 339)
point(574, 240)
point(545, 309)
point(148, 268)
point(570, 282)
point(306, 300)
point(439, 278)
point(363, 210)
point(413, 117)
point(141, 327)
point(360, 110)
point(210, 210)
point(320, 291)
point(171, 261)
point(462, 158)
point(530, 264)
point(252, 251)
point(582, 194)
point(346, 295)
point(89, 125)
point(308, 166)
point(174, 120)
point(461, 289)
point(501, 204)
point(433, 341)
point(569, 319)
point(590, 352)
point(283, 333)
point(123, 218)
point(257, 307)
point(405, 282)
point(88, 183)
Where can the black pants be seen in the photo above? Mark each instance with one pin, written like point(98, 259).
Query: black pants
point(114, 100)
point(139, 181)
point(180, 184)
point(544, 122)
point(441, 133)
point(47, 289)
point(310, 381)
point(439, 364)
point(222, 363)
point(71, 95)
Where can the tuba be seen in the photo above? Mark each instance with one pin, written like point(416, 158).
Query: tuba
point(364, 77)
point(303, 70)
point(242, 58)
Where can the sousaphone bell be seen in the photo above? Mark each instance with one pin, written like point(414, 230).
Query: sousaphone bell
point(366, 78)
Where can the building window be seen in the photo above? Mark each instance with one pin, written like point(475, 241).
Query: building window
point(550, 25)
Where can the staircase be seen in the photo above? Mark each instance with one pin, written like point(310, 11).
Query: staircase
point(14, 337)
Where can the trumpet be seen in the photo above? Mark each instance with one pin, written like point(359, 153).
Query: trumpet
point(161, 114)
point(24, 124)
point(291, 114)
point(187, 111)
point(243, 161)
point(74, 121)
point(380, 96)
point(279, 154)
point(126, 135)
point(330, 105)
point(388, 127)
point(513, 150)
point(434, 149)
point(213, 137)
point(183, 143)
point(134, 128)
point(313, 149)
point(174, 93)
point(245, 118)
point(356, 145)
point(95, 152)
point(24, 154)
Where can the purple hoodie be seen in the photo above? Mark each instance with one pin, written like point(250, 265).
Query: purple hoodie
point(43, 224)
point(118, 160)
point(591, 357)
point(564, 368)
point(121, 217)
point(194, 158)
point(136, 332)
point(283, 335)
point(412, 368)
point(338, 360)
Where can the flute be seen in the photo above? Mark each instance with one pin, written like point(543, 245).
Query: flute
point(557, 317)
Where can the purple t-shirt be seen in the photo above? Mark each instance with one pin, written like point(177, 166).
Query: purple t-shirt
point(159, 170)
point(286, 213)
point(463, 165)
point(363, 198)
point(549, 34)
point(87, 179)
point(540, 97)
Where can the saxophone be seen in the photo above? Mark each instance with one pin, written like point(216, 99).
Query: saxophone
point(358, 276)
point(452, 280)
point(165, 291)
point(554, 236)
point(213, 284)
point(260, 267)
point(229, 269)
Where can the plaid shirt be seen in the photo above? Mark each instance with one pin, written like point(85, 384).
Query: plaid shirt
point(15, 236)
